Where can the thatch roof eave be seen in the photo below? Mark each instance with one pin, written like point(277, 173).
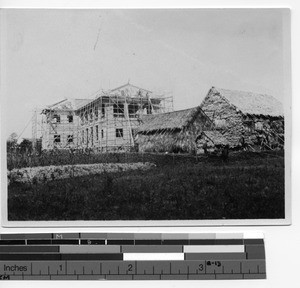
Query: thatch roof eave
point(172, 120)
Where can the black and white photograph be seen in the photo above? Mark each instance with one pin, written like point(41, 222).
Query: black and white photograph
point(146, 114)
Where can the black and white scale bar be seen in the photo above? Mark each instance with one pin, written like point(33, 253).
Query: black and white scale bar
point(131, 256)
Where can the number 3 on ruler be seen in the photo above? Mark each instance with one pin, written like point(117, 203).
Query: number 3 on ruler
point(200, 267)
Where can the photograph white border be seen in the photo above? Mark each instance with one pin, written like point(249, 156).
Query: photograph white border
point(163, 223)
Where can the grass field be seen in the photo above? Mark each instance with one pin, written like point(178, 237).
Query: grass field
point(247, 186)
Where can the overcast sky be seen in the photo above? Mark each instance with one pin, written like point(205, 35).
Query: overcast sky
point(49, 55)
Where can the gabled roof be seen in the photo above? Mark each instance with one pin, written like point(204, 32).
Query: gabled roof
point(251, 103)
point(130, 91)
point(127, 91)
point(129, 86)
point(68, 104)
point(170, 120)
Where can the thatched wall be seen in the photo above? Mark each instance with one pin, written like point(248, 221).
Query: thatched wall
point(166, 141)
point(227, 120)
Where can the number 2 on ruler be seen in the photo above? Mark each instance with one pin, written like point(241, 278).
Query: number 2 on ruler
point(129, 268)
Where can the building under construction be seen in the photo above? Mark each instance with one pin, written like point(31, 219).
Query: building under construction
point(107, 122)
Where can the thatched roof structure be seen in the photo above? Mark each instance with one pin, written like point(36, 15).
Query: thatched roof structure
point(251, 103)
point(168, 121)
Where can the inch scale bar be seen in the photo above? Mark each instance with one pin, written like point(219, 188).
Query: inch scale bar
point(115, 256)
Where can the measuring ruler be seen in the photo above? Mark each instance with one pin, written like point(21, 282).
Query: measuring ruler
point(131, 256)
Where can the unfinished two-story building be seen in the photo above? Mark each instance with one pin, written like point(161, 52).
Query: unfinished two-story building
point(107, 122)
point(110, 121)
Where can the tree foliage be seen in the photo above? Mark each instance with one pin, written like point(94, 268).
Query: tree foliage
point(12, 142)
